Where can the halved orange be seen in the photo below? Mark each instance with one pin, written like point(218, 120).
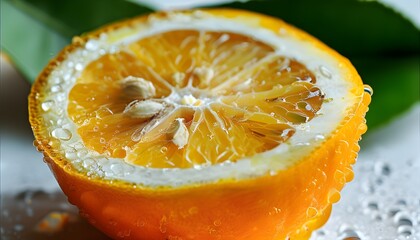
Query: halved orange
point(204, 124)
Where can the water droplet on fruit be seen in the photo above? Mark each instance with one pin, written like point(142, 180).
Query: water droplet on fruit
point(334, 196)
point(368, 89)
point(88, 162)
point(46, 106)
point(71, 154)
point(340, 177)
point(325, 72)
point(117, 169)
point(82, 153)
point(163, 149)
point(79, 67)
point(61, 134)
point(55, 88)
point(311, 212)
point(92, 45)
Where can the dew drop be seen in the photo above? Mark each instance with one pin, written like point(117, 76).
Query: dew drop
point(393, 211)
point(348, 233)
point(340, 177)
point(61, 134)
point(82, 153)
point(381, 168)
point(163, 149)
point(117, 169)
point(403, 219)
point(88, 162)
point(55, 88)
point(47, 105)
point(334, 196)
point(311, 212)
point(71, 154)
point(372, 205)
point(368, 89)
point(79, 67)
point(325, 72)
point(405, 231)
point(217, 223)
point(92, 45)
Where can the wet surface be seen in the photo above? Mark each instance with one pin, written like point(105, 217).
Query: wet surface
point(24, 216)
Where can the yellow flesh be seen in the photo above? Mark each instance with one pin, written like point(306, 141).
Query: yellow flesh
point(248, 105)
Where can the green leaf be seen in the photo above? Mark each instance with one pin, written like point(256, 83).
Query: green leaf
point(352, 27)
point(396, 86)
point(383, 45)
point(29, 44)
point(34, 31)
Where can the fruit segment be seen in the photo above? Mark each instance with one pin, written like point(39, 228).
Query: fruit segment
point(230, 95)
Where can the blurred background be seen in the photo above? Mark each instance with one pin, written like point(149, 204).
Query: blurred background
point(382, 202)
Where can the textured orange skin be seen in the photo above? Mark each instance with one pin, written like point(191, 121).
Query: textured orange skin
point(270, 207)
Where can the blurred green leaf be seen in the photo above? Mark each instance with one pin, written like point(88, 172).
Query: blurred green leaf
point(382, 44)
point(395, 82)
point(351, 27)
point(34, 31)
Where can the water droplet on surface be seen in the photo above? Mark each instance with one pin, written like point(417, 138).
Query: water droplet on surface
point(348, 233)
point(405, 231)
point(381, 168)
point(403, 219)
point(61, 134)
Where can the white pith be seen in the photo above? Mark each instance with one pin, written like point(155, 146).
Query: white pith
point(307, 137)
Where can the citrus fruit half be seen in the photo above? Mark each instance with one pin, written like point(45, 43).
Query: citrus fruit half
point(203, 124)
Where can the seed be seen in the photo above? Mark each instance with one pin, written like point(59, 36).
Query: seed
point(143, 109)
point(138, 87)
point(179, 133)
